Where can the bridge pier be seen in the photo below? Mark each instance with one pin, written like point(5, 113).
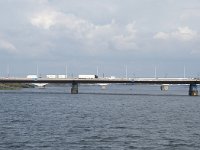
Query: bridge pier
point(74, 88)
point(193, 91)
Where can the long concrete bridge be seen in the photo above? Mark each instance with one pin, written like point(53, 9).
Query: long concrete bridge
point(192, 82)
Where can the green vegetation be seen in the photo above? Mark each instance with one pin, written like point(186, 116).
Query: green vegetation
point(14, 86)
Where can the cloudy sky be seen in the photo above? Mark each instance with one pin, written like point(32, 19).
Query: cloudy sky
point(108, 34)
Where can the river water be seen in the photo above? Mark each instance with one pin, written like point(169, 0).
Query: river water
point(120, 117)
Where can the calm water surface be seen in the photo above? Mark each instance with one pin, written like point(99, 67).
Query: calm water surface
point(142, 118)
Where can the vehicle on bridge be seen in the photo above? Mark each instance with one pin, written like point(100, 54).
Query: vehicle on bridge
point(87, 76)
point(32, 76)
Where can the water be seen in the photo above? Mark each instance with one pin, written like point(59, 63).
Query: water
point(127, 117)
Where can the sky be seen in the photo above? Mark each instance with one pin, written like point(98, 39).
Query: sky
point(110, 35)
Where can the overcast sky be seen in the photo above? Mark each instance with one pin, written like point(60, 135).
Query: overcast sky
point(108, 34)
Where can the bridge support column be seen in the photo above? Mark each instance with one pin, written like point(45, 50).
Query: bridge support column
point(193, 91)
point(74, 89)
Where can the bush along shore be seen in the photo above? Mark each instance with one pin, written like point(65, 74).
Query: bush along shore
point(15, 86)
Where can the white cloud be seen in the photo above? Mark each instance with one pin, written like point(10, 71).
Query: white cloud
point(161, 35)
point(126, 41)
point(106, 35)
point(7, 46)
point(182, 33)
point(44, 19)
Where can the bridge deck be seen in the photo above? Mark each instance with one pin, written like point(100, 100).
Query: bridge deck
point(103, 80)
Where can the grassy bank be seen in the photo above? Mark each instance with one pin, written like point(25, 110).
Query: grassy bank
point(14, 86)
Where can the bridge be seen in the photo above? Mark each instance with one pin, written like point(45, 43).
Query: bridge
point(192, 82)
